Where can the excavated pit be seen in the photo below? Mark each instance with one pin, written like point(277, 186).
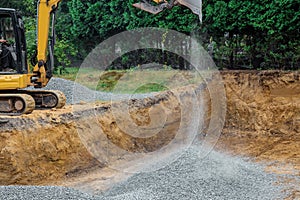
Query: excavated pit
point(262, 121)
point(48, 146)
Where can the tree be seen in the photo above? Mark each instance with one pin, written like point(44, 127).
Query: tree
point(264, 31)
point(252, 33)
point(27, 7)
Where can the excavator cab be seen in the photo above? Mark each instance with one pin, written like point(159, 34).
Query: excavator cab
point(12, 43)
point(15, 75)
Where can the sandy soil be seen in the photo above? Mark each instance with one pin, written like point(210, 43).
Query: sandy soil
point(262, 121)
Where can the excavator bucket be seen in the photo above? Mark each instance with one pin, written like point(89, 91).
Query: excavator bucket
point(194, 5)
point(148, 7)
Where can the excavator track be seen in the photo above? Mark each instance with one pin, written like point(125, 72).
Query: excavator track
point(47, 99)
point(16, 104)
point(25, 101)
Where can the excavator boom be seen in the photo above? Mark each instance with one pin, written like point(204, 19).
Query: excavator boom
point(44, 66)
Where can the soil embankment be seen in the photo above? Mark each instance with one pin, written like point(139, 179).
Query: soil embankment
point(47, 146)
point(263, 115)
point(262, 121)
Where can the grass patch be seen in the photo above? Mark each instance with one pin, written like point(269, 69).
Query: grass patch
point(150, 87)
point(69, 73)
point(130, 81)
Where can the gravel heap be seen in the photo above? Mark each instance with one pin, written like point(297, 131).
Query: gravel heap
point(84, 94)
point(217, 176)
point(41, 193)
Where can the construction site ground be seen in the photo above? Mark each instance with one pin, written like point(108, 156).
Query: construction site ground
point(262, 122)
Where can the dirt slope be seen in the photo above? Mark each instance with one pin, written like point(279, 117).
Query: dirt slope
point(263, 108)
point(262, 121)
point(46, 146)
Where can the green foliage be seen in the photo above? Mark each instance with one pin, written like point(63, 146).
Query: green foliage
point(26, 6)
point(264, 31)
point(64, 50)
point(258, 34)
point(30, 27)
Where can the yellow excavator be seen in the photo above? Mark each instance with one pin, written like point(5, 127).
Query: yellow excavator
point(15, 74)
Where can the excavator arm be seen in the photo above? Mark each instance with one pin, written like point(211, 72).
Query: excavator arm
point(14, 100)
point(44, 57)
point(43, 65)
point(194, 5)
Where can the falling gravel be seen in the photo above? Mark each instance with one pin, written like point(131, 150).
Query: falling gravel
point(217, 176)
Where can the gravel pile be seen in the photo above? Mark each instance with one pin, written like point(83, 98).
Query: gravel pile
point(218, 176)
point(84, 94)
point(41, 193)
